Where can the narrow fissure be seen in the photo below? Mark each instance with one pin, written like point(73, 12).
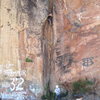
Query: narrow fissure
point(48, 45)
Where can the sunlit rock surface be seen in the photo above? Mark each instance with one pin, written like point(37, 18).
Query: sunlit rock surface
point(21, 60)
point(77, 39)
point(41, 41)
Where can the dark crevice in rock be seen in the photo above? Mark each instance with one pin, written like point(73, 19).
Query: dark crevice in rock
point(47, 45)
point(47, 48)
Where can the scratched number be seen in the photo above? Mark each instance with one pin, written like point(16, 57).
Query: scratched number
point(13, 84)
point(17, 87)
point(87, 61)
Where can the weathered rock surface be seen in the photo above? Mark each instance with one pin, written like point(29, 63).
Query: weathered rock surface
point(77, 40)
point(21, 59)
point(56, 41)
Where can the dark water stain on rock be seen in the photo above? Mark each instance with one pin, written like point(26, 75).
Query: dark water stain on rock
point(64, 60)
point(28, 7)
point(32, 3)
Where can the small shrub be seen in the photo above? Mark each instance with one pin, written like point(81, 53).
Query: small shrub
point(28, 60)
point(49, 95)
point(64, 94)
point(82, 86)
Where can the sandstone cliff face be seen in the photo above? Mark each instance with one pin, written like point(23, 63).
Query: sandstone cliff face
point(42, 41)
point(21, 59)
point(77, 39)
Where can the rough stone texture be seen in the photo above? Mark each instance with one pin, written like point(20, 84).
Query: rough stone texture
point(76, 25)
point(60, 38)
point(21, 23)
point(77, 40)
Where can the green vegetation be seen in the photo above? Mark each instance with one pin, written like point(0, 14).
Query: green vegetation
point(28, 60)
point(82, 86)
point(49, 95)
point(64, 94)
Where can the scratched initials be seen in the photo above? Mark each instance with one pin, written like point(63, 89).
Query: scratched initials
point(87, 61)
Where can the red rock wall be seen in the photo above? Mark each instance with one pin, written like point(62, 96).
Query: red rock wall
point(77, 39)
point(47, 40)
